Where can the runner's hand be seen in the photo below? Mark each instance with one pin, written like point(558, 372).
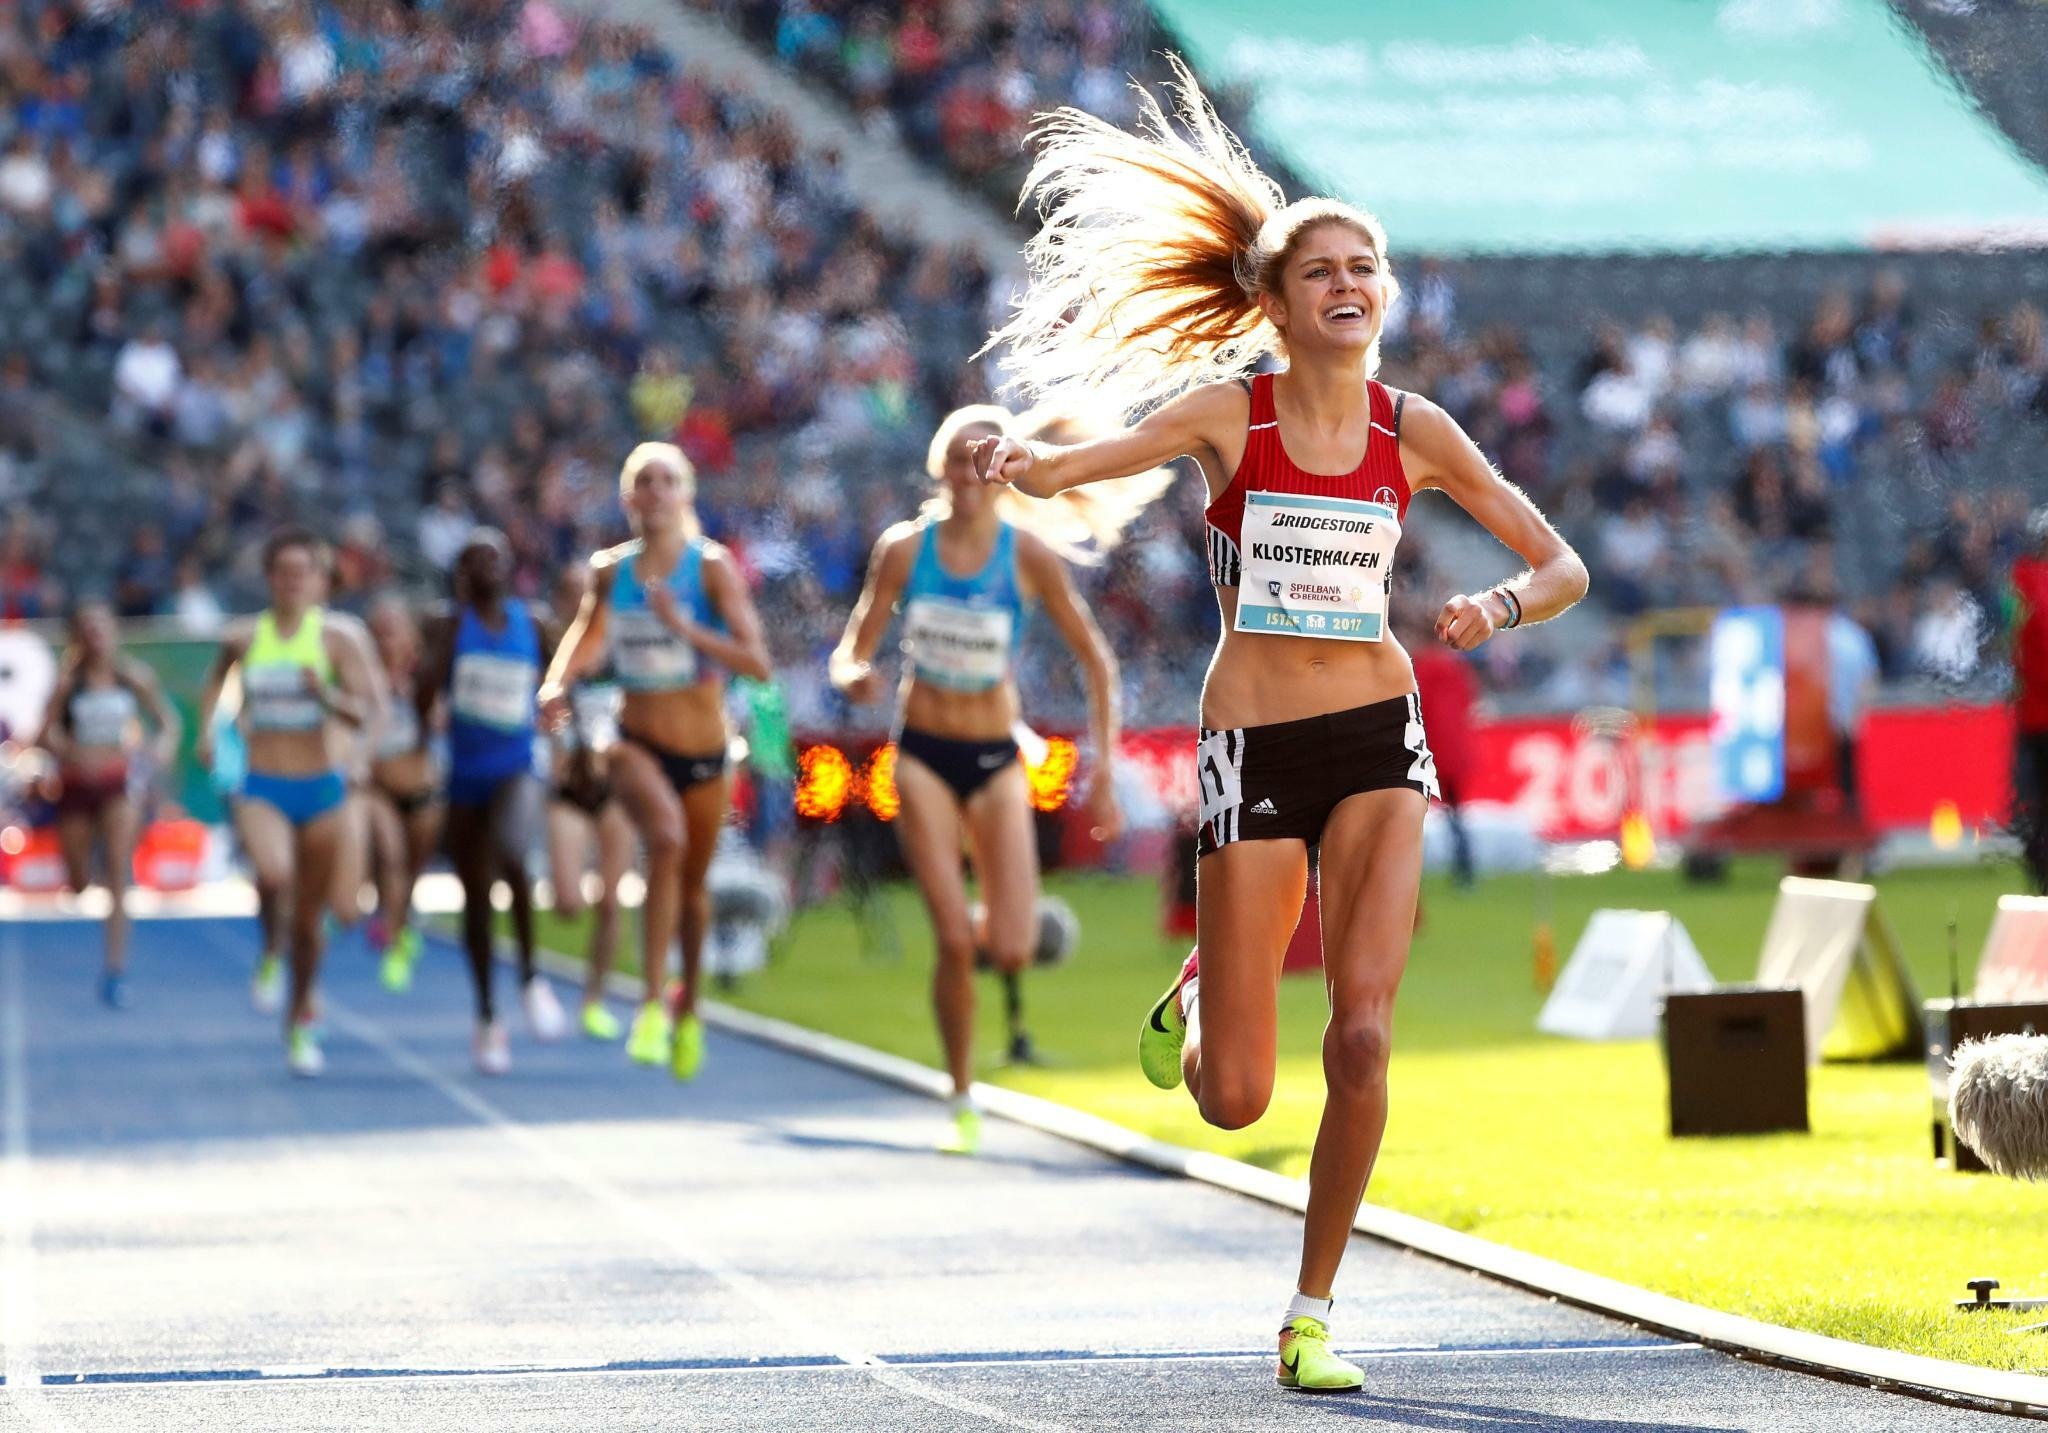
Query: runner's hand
point(1465, 623)
point(858, 682)
point(554, 707)
point(661, 601)
point(1002, 460)
point(1106, 816)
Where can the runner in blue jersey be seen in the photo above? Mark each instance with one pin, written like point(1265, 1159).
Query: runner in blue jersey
point(487, 656)
point(962, 573)
point(675, 611)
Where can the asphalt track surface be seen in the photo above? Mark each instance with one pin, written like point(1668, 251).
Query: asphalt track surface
point(192, 1239)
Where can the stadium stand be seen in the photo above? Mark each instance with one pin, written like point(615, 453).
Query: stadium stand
point(406, 268)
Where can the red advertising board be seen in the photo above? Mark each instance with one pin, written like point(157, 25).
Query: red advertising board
point(1574, 784)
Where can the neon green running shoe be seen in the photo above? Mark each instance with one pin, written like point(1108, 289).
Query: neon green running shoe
point(966, 1135)
point(266, 991)
point(649, 1041)
point(1306, 1362)
point(598, 1022)
point(302, 1051)
point(686, 1056)
point(1166, 1030)
point(394, 971)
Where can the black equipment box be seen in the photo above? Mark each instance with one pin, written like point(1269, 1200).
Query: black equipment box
point(1736, 1058)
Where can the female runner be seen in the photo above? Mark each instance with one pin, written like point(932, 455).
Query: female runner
point(963, 572)
point(94, 731)
point(299, 665)
point(677, 614)
point(582, 813)
point(487, 656)
point(403, 794)
point(1167, 263)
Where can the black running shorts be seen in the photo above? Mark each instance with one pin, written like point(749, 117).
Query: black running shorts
point(1281, 782)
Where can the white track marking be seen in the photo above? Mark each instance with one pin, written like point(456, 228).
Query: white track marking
point(661, 1231)
point(17, 1212)
point(272, 1378)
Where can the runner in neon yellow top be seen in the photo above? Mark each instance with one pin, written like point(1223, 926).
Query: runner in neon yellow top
point(299, 665)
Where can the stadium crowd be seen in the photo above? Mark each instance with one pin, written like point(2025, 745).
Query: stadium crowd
point(407, 268)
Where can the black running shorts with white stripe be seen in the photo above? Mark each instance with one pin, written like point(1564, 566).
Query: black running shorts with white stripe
point(1282, 781)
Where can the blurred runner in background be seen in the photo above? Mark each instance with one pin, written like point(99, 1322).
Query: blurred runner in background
point(94, 732)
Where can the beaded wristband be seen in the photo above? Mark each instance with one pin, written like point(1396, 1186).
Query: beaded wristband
point(1514, 606)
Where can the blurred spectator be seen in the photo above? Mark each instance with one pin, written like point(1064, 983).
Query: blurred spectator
point(1449, 693)
point(2030, 697)
point(25, 591)
point(445, 526)
point(193, 606)
point(1951, 421)
point(146, 378)
point(143, 581)
point(1948, 634)
point(1853, 674)
point(1632, 550)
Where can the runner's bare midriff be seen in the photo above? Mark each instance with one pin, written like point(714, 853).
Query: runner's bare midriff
point(292, 753)
point(1258, 678)
point(404, 774)
point(960, 715)
point(689, 721)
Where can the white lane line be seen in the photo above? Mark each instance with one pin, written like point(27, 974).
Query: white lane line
point(255, 1378)
point(17, 1212)
point(662, 1231)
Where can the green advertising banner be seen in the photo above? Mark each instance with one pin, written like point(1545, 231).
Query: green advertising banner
point(1670, 126)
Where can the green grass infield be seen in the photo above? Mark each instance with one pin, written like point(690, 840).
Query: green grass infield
point(1553, 1146)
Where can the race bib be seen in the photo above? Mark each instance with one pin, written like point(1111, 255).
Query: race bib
point(955, 645)
point(594, 715)
point(649, 657)
point(102, 716)
point(493, 690)
point(1216, 775)
point(400, 734)
point(1316, 566)
point(276, 699)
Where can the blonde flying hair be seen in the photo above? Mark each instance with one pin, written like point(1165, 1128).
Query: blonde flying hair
point(668, 455)
point(1151, 254)
point(1080, 524)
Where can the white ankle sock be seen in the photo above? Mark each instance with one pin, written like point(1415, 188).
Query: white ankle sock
point(1187, 996)
point(962, 1102)
point(1314, 1308)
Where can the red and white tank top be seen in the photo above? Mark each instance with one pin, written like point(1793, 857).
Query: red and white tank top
point(1266, 468)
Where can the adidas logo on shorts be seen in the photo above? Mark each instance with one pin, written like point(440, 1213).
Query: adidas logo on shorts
point(1265, 807)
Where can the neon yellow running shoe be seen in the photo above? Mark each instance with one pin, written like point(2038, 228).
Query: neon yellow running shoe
point(394, 971)
point(302, 1051)
point(686, 1056)
point(649, 1041)
point(1306, 1362)
point(266, 991)
point(1166, 1030)
point(598, 1021)
point(966, 1135)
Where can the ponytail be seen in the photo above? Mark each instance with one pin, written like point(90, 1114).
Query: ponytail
point(1153, 249)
